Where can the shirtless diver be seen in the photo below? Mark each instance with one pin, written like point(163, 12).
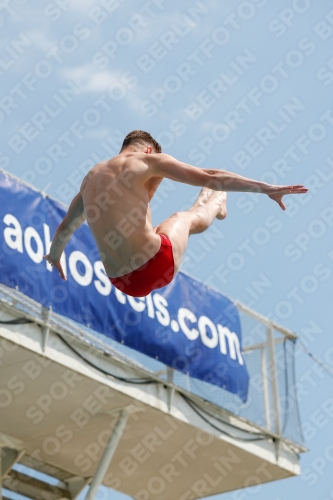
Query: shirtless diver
point(114, 200)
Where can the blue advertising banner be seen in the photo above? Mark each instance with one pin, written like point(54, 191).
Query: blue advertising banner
point(185, 325)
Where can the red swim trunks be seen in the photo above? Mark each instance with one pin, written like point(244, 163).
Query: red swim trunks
point(155, 273)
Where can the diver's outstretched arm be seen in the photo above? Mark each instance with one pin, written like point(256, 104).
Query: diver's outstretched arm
point(72, 220)
point(219, 180)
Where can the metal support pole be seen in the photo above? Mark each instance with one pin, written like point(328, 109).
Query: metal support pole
point(171, 390)
point(46, 327)
point(265, 387)
point(274, 380)
point(0, 475)
point(108, 453)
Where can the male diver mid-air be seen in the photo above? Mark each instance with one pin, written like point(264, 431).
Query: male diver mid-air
point(114, 200)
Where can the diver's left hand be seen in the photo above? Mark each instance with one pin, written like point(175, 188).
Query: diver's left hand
point(57, 264)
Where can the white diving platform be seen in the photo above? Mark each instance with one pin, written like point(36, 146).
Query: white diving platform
point(135, 430)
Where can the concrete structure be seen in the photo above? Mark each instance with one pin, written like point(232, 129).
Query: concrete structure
point(133, 430)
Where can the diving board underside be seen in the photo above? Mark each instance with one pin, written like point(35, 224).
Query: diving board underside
point(59, 413)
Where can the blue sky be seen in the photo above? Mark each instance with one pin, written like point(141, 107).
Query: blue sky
point(239, 85)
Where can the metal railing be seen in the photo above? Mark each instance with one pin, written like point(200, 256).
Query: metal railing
point(267, 350)
point(276, 362)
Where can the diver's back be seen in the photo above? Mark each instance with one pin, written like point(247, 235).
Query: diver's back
point(116, 207)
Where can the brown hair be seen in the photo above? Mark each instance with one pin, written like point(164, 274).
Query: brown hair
point(143, 138)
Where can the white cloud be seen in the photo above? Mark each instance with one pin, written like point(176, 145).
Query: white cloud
point(91, 80)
